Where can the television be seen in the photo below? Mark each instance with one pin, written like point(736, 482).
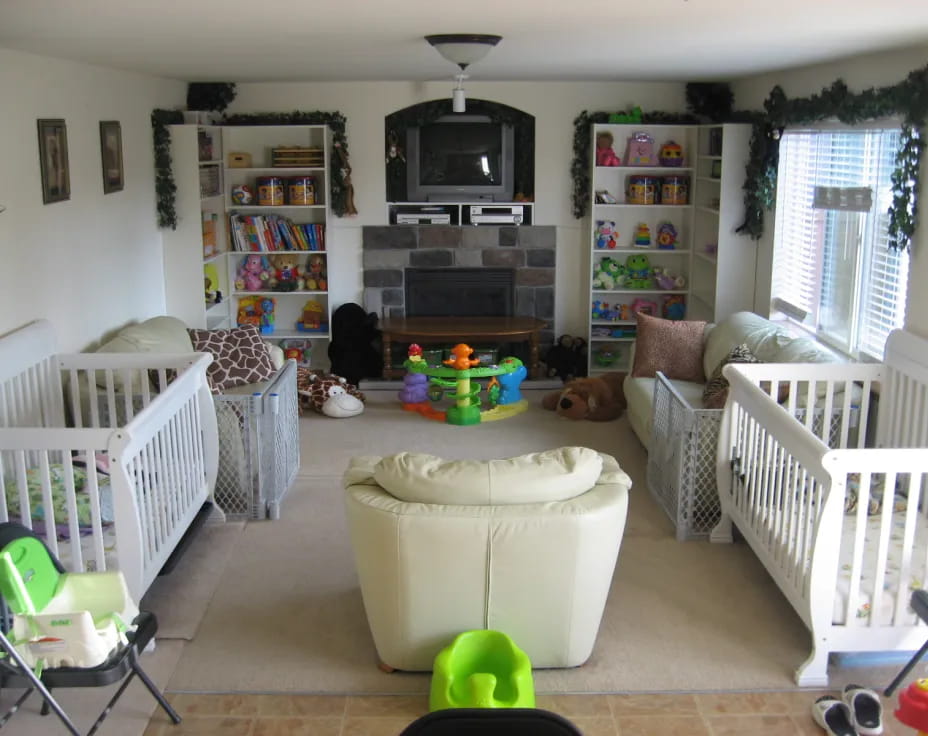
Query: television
point(460, 158)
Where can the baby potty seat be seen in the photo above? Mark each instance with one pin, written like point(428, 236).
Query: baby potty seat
point(482, 669)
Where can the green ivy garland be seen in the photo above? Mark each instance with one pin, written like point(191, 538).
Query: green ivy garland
point(908, 99)
point(166, 189)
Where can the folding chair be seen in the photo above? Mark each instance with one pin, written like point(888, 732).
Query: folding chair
point(919, 603)
point(69, 620)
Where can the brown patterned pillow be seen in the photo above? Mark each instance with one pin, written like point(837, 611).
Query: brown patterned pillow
point(239, 356)
point(673, 347)
point(715, 392)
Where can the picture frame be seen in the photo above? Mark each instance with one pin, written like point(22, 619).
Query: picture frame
point(111, 156)
point(53, 160)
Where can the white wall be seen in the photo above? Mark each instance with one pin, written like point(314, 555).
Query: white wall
point(859, 73)
point(554, 105)
point(93, 263)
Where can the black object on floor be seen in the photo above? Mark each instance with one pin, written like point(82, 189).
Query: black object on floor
point(352, 351)
point(492, 722)
point(919, 603)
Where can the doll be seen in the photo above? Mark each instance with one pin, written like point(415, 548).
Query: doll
point(605, 155)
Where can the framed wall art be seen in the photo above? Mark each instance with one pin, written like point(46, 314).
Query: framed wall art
point(111, 155)
point(53, 160)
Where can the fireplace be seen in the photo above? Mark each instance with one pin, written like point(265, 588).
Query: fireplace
point(459, 292)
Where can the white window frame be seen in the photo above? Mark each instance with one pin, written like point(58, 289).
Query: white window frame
point(799, 281)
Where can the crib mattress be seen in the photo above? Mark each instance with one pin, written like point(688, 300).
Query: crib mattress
point(886, 600)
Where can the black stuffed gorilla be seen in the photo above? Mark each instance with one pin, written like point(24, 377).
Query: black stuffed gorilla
point(352, 352)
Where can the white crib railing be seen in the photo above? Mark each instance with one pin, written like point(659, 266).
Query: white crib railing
point(783, 482)
point(160, 444)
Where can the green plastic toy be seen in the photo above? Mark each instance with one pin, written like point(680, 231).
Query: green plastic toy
point(482, 669)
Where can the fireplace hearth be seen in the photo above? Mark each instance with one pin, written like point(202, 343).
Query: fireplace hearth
point(459, 292)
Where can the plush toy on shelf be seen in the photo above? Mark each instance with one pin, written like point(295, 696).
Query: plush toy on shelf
point(606, 234)
point(605, 154)
point(666, 236)
point(316, 279)
point(253, 273)
point(638, 266)
point(286, 274)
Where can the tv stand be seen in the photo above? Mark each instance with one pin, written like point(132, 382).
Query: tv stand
point(460, 213)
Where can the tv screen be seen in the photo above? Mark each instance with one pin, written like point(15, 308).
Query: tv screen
point(460, 158)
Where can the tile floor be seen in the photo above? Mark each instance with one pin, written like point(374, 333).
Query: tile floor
point(715, 714)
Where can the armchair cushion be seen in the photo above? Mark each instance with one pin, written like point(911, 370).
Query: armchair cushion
point(240, 356)
point(552, 475)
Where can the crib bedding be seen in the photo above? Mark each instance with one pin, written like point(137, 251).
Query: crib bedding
point(887, 599)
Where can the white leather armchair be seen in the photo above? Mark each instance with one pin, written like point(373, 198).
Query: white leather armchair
point(524, 545)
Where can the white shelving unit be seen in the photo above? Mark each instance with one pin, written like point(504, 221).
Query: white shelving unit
point(717, 264)
point(259, 142)
point(190, 254)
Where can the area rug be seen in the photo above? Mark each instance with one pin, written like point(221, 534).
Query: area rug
point(287, 615)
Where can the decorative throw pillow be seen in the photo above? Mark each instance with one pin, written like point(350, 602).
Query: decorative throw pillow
point(239, 356)
point(716, 390)
point(673, 347)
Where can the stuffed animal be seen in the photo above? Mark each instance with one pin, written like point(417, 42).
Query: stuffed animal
point(286, 274)
point(606, 234)
point(566, 359)
point(328, 394)
point(605, 154)
point(354, 349)
point(252, 273)
point(597, 398)
point(316, 279)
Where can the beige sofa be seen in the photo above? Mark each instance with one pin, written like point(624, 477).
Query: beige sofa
point(525, 545)
point(769, 341)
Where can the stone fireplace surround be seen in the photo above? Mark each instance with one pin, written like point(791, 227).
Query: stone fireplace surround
point(529, 249)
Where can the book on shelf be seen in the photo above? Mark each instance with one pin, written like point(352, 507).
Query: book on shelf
point(273, 232)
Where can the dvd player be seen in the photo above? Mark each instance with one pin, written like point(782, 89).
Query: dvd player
point(423, 218)
point(511, 214)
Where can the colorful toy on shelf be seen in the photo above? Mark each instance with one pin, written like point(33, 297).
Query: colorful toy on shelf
point(267, 306)
point(642, 189)
point(257, 311)
point(299, 349)
point(604, 197)
point(312, 319)
point(253, 273)
point(605, 271)
point(645, 306)
point(316, 279)
point(671, 154)
point(639, 150)
point(642, 235)
point(242, 195)
point(286, 274)
point(605, 355)
point(605, 154)
point(666, 236)
point(664, 279)
point(673, 306)
point(606, 234)
point(638, 266)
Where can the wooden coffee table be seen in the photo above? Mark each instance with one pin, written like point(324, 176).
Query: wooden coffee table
point(472, 330)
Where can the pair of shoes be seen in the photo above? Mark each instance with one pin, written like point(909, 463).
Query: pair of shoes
point(859, 713)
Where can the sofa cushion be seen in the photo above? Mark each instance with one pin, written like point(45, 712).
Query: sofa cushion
point(155, 335)
point(673, 347)
point(552, 475)
point(763, 338)
point(715, 392)
point(240, 356)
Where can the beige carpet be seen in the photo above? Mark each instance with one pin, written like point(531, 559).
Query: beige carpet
point(287, 614)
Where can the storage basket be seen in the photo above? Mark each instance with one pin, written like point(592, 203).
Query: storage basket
point(296, 156)
point(256, 473)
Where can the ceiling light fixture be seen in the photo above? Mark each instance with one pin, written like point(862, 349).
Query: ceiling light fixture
point(462, 49)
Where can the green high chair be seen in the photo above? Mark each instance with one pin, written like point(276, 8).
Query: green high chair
point(482, 669)
point(68, 629)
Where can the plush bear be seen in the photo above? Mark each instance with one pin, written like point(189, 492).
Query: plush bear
point(286, 274)
point(598, 398)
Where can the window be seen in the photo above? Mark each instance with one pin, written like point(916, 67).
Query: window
point(833, 269)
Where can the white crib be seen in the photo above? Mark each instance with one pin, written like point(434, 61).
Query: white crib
point(788, 486)
point(159, 443)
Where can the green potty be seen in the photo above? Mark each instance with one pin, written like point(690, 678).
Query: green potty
point(482, 669)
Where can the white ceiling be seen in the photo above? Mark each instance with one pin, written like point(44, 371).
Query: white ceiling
point(315, 40)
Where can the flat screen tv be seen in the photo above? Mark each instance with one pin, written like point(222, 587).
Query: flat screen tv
point(460, 158)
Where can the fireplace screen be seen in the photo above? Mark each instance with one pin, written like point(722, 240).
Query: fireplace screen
point(460, 292)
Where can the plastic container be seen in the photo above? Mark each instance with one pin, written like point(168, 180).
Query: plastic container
point(301, 190)
point(642, 189)
point(270, 191)
point(675, 190)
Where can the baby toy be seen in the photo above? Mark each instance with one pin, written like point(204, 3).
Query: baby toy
point(299, 349)
point(603, 274)
point(642, 235)
point(605, 155)
point(673, 307)
point(565, 359)
point(605, 355)
point(603, 196)
point(415, 385)
point(645, 306)
point(242, 194)
point(638, 266)
point(639, 150)
point(267, 315)
point(606, 234)
point(286, 274)
point(671, 154)
point(663, 279)
point(599, 398)
point(666, 236)
point(316, 279)
point(329, 394)
point(311, 321)
point(253, 273)
point(511, 380)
